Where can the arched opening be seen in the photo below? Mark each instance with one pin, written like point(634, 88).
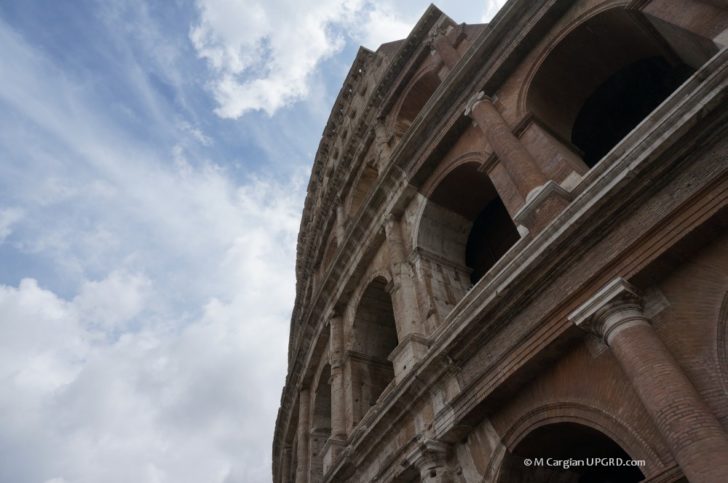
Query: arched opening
point(492, 234)
point(621, 102)
point(320, 424)
point(414, 100)
point(362, 187)
point(375, 337)
point(466, 225)
point(567, 453)
point(607, 75)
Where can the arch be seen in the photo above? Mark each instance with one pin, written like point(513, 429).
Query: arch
point(414, 98)
point(464, 225)
point(605, 74)
point(579, 413)
point(382, 275)
point(320, 422)
point(374, 338)
point(476, 157)
point(566, 441)
point(362, 186)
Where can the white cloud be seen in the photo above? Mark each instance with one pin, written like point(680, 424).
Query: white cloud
point(379, 25)
point(491, 8)
point(172, 398)
point(116, 299)
point(164, 357)
point(8, 217)
point(263, 54)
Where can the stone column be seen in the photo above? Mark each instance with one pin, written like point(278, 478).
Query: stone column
point(338, 397)
point(412, 343)
point(443, 48)
point(519, 163)
point(692, 432)
point(304, 401)
point(430, 459)
point(544, 198)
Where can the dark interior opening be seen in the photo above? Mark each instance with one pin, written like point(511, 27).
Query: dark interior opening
point(467, 200)
point(619, 104)
point(568, 441)
point(608, 74)
point(493, 233)
point(415, 100)
point(375, 337)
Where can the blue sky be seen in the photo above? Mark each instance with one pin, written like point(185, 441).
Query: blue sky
point(153, 164)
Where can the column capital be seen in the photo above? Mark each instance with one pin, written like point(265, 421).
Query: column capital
point(475, 99)
point(616, 306)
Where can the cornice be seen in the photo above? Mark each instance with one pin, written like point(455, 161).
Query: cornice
point(313, 227)
point(311, 221)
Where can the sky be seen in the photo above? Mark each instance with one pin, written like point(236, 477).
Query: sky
point(154, 157)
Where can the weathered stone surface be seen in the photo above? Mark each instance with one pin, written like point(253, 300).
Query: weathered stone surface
point(445, 264)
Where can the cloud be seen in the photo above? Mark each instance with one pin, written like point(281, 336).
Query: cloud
point(263, 54)
point(171, 397)
point(8, 217)
point(114, 300)
point(491, 8)
point(151, 406)
point(161, 354)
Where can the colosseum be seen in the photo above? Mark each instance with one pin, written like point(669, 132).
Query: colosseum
point(513, 257)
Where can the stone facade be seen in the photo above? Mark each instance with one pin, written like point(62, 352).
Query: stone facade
point(514, 247)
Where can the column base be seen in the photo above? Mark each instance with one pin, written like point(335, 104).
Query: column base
point(411, 350)
point(542, 205)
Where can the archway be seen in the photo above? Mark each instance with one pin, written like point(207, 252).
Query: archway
point(567, 452)
point(606, 75)
point(414, 99)
point(320, 423)
point(361, 188)
point(465, 225)
point(375, 337)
